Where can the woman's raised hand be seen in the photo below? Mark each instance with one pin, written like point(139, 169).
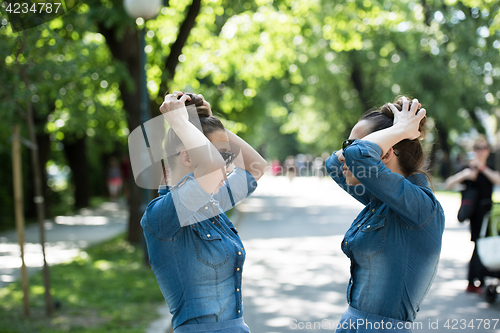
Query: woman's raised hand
point(408, 120)
point(175, 108)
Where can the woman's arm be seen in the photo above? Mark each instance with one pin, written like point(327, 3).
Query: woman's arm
point(334, 168)
point(209, 164)
point(406, 126)
point(492, 175)
point(460, 177)
point(248, 159)
point(415, 203)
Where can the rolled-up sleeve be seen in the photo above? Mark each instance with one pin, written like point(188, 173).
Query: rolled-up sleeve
point(238, 185)
point(334, 168)
point(413, 203)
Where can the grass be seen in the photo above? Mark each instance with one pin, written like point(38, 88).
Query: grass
point(105, 289)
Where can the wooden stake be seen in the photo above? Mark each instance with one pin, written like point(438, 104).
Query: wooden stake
point(19, 211)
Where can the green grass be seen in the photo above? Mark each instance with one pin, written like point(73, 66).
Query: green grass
point(105, 289)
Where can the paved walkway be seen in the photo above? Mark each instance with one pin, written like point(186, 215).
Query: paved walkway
point(65, 237)
point(295, 272)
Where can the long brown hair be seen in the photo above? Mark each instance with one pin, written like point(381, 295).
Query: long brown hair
point(411, 153)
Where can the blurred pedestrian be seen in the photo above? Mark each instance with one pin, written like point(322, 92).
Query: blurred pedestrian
point(126, 173)
point(300, 163)
point(194, 250)
point(289, 167)
point(115, 180)
point(395, 242)
point(276, 167)
point(478, 177)
point(318, 167)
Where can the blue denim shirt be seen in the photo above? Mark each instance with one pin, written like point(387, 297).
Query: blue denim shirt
point(195, 251)
point(395, 242)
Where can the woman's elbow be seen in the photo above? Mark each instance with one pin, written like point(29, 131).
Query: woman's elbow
point(258, 168)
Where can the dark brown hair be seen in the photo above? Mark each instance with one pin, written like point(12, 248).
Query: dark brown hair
point(411, 154)
point(209, 124)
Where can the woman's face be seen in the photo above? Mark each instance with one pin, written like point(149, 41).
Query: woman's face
point(359, 131)
point(220, 141)
point(482, 150)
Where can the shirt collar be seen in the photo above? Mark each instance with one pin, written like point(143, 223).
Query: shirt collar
point(164, 189)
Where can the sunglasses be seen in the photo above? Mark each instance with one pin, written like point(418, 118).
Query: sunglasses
point(349, 142)
point(227, 156)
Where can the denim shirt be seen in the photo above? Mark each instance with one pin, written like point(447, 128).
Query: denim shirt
point(195, 251)
point(395, 242)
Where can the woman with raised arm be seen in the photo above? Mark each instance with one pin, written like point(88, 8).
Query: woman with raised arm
point(395, 242)
point(479, 177)
point(194, 250)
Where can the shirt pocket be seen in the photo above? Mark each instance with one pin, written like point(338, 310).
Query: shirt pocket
point(370, 239)
point(210, 247)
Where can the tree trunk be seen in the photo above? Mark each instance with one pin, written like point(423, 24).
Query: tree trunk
point(126, 49)
point(357, 81)
point(76, 155)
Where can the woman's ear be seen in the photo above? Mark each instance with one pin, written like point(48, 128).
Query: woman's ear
point(388, 156)
point(184, 157)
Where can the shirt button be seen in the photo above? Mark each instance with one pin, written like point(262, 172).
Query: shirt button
point(345, 243)
point(373, 210)
point(239, 311)
point(359, 225)
point(213, 222)
point(238, 269)
point(367, 226)
point(213, 203)
point(238, 289)
point(208, 235)
point(239, 253)
point(206, 207)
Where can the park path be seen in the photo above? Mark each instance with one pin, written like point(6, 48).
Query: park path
point(66, 236)
point(295, 271)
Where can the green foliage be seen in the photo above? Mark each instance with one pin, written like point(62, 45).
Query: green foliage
point(105, 289)
point(72, 85)
point(287, 75)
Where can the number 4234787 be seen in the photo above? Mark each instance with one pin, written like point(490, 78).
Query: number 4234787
point(455, 324)
point(38, 8)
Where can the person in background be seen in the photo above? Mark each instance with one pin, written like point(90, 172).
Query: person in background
point(276, 167)
point(289, 167)
point(115, 180)
point(480, 177)
point(125, 169)
point(395, 242)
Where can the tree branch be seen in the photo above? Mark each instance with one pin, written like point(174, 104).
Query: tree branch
point(176, 48)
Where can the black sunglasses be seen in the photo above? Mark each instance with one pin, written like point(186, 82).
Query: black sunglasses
point(347, 143)
point(227, 156)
